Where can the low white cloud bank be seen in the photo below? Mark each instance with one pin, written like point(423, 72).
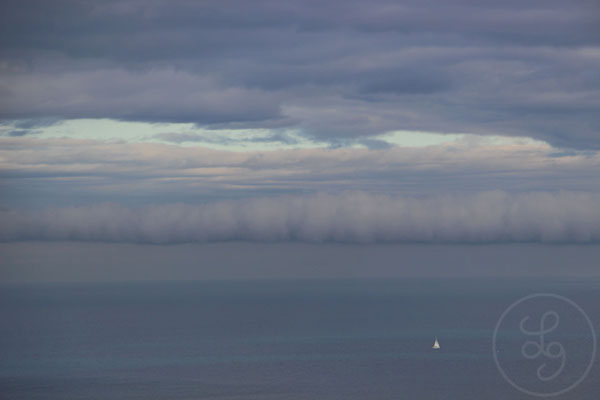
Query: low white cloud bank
point(352, 217)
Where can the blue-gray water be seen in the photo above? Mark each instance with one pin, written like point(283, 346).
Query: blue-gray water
point(322, 339)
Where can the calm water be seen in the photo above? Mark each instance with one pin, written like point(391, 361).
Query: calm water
point(327, 339)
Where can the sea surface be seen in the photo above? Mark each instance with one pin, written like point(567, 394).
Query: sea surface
point(288, 339)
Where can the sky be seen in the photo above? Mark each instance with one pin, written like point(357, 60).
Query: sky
point(382, 138)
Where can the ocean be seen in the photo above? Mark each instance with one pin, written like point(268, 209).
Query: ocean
point(299, 339)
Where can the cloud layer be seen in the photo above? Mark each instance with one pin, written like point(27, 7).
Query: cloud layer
point(62, 171)
point(353, 217)
point(330, 69)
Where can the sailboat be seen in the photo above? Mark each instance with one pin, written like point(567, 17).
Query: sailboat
point(436, 345)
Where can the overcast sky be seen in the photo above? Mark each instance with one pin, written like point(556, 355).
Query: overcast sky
point(130, 125)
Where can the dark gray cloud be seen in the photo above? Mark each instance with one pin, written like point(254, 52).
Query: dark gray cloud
point(215, 138)
point(335, 69)
point(30, 126)
point(354, 217)
point(19, 132)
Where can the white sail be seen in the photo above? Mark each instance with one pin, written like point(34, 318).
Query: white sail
point(436, 345)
